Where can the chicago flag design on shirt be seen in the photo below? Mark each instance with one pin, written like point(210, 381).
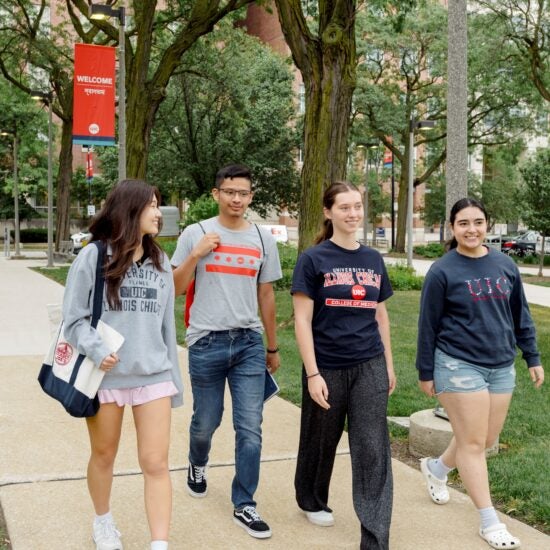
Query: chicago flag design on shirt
point(238, 260)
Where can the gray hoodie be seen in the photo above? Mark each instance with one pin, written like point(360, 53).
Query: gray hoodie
point(145, 318)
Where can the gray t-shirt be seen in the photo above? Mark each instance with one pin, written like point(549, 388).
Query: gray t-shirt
point(226, 279)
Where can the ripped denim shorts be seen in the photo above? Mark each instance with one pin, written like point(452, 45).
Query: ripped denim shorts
point(454, 375)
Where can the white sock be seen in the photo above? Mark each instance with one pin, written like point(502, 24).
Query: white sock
point(438, 468)
point(104, 517)
point(159, 545)
point(488, 516)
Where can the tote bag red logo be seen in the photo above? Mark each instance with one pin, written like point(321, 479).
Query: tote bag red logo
point(63, 353)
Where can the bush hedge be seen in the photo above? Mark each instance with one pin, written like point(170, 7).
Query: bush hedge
point(432, 250)
point(532, 260)
point(32, 235)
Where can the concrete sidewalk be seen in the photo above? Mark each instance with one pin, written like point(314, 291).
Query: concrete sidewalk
point(44, 456)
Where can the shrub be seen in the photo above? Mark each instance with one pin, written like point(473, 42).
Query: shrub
point(203, 208)
point(403, 278)
point(288, 254)
point(32, 235)
point(432, 250)
point(286, 282)
point(168, 244)
point(533, 259)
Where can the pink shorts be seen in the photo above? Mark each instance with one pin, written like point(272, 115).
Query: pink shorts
point(139, 395)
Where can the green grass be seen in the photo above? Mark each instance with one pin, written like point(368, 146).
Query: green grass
point(519, 480)
point(534, 280)
point(518, 474)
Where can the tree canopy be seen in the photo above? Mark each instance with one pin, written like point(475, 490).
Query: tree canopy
point(535, 196)
point(403, 74)
point(22, 119)
point(210, 118)
point(156, 38)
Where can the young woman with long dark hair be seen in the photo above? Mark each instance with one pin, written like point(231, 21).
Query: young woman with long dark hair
point(473, 313)
point(343, 333)
point(138, 302)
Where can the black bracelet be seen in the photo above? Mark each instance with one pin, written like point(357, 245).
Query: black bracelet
point(312, 375)
point(276, 350)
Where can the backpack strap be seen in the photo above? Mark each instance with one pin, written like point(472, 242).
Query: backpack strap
point(190, 293)
point(263, 251)
point(200, 225)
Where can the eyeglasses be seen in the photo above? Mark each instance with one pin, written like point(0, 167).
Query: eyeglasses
point(232, 192)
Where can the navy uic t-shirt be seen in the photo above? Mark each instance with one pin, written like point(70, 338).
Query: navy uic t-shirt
point(346, 287)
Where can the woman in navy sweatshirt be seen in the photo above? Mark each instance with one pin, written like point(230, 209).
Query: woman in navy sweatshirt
point(473, 314)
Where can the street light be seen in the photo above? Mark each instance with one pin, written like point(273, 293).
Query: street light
point(46, 98)
point(100, 12)
point(366, 146)
point(413, 125)
point(15, 191)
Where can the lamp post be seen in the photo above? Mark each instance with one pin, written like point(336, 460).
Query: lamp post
point(392, 202)
point(100, 12)
point(46, 98)
point(413, 125)
point(366, 146)
point(15, 191)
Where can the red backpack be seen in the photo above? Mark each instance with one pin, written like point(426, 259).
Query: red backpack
point(190, 294)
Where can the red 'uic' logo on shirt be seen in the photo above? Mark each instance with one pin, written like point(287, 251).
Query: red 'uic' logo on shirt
point(358, 292)
point(63, 353)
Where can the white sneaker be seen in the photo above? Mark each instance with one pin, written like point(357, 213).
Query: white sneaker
point(106, 536)
point(322, 518)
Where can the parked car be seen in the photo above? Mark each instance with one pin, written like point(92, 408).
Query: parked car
point(80, 240)
point(502, 241)
point(525, 244)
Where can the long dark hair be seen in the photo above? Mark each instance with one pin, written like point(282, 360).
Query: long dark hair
point(459, 205)
point(329, 198)
point(118, 223)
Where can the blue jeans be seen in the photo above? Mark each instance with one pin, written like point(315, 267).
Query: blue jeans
point(237, 355)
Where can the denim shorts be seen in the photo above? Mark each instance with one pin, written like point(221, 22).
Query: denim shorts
point(452, 375)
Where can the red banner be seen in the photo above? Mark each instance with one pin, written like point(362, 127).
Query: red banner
point(94, 95)
point(89, 166)
point(388, 156)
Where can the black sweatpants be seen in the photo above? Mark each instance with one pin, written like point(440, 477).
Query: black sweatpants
point(360, 395)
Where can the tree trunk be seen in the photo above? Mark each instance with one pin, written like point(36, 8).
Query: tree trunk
point(541, 263)
point(328, 104)
point(64, 177)
point(138, 132)
point(327, 63)
point(403, 198)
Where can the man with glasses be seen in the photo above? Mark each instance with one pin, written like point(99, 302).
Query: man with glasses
point(233, 264)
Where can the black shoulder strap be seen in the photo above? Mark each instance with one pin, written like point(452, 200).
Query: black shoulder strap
point(98, 300)
point(200, 225)
point(99, 282)
point(263, 251)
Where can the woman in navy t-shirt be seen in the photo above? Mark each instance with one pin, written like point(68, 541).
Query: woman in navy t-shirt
point(343, 333)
